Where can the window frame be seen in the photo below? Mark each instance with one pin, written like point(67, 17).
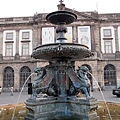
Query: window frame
point(24, 36)
point(25, 43)
point(105, 33)
point(9, 51)
point(109, 46)
point(9, 38)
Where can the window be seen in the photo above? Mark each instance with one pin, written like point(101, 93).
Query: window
point(108, 46)
point(9, 49)
point(9, 36)
point(25, 49)
point(107, 33)
point(25, 35)
point(109, 75)
point(25, 72)
point(8, 77)
point(25, 42)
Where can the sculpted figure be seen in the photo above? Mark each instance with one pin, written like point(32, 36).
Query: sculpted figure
point(37, 84)
point(84, 81)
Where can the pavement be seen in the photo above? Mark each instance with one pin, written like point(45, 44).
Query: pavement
point(6, 98)
point(106, 96)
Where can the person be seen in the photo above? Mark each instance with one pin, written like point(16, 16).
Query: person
point(0, 89)
point(11, 89)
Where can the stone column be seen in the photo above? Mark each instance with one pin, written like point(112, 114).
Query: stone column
point(17, 41)
point(95, 38)
point(1, 41)
point(55, 34)
point(1, 78)
point(75, 34)
point(116, 38)
point(94, 74)
point(40, 35)
point(16, 82)
point(117, 74)
point(1, 45)
point(36, 36)
point(16, 78)
point(1, 57)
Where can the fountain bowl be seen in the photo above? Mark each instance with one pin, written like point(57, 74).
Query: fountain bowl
point(67, 51)
point(62, 16)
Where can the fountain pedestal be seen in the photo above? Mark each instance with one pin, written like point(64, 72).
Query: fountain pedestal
point(60, 108)
point(60, 101)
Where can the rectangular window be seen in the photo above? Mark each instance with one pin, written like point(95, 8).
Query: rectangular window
point(25, 35)
point(9, 36)
point(25, 48)
point(9, 49)
point(108, 46)
point(107, 33)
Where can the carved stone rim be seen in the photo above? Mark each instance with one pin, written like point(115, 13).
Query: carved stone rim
point(62, 51)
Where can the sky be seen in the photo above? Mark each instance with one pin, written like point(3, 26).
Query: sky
point(21, 8)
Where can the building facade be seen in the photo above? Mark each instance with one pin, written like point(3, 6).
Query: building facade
point(20, 35)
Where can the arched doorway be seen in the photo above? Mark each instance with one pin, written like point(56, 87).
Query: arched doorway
point(89, 76)
point(25, 72)
point(8, 78)
point(109, 75)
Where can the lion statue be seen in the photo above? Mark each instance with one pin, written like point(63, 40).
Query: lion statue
point(36, 85)
point(84, 81)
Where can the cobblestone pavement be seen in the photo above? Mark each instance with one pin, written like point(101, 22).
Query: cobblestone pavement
point(6, 98)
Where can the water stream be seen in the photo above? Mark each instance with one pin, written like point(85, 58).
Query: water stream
point(102, 96)
point(20, 94)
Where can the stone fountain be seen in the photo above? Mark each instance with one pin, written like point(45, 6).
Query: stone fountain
point(56, 88)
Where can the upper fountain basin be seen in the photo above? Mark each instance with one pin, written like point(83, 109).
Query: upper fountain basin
point(61, 17)
point(69, 51)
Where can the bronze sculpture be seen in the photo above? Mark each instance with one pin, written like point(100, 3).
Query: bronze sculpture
point(61, 82)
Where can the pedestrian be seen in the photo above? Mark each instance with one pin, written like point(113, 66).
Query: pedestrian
point(0, 89)
point(11, 89)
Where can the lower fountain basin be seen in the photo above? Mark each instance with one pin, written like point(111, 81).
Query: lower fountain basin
point(60, 108)
point(69, 51)
point(6, 111)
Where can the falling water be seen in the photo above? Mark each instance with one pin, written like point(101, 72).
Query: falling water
point(20, 94)
point(102, 96)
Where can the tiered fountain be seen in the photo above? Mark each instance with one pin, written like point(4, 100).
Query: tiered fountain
point(57, 85)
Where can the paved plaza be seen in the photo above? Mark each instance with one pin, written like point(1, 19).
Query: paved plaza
point(6, 98)
point(106, 96)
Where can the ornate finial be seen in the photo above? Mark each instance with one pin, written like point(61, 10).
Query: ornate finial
point(61, 6)
point(61, 2)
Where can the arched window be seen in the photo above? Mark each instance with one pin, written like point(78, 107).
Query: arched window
point(25, 72)
point(89, 76)
point(109, 75)
point(8, 77)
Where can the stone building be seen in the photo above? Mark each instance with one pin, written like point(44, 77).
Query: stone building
point(19, 35)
